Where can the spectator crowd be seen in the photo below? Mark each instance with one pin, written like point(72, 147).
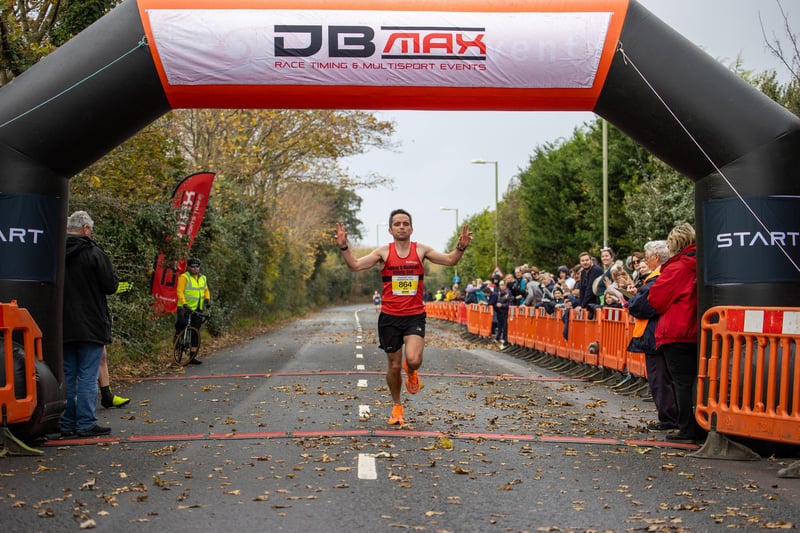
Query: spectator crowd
point(658, 287)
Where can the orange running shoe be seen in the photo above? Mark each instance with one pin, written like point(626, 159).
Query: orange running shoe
point(398, 415)
point(413, 383)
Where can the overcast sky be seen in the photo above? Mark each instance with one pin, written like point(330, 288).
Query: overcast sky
point(431, 168)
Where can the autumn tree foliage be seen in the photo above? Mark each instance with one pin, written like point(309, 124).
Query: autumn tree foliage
point(267, 229)
point(31, 29)
point(283, 166)
point(279, 189)
point(552, 210)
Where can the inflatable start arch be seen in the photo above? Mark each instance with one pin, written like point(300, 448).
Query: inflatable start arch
point(612, 57)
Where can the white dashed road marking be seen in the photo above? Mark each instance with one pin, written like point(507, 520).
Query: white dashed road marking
point(366, 467)
point(366, 462)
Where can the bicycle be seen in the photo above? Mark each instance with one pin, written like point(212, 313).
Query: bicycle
point(185, 339)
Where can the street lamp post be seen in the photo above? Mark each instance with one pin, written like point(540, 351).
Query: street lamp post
point(451, 209)
point(455, 269)
point(605, 183)
point(496, 225)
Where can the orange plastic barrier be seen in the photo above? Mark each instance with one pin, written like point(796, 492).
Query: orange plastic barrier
point(537, 330)
point(614, 334)
point(462, 313)
point(473, 319)
point(485, 320)
point(17, 325)
point(577, 343)
point(452, 311)
point(549, 329)
point(580, 331)
point(636, 361)
point(443, 310)
point(529, 327)
point(557, 329)
point(539, 334)
point(516, 332)
point(431, 309)
point(749, 379)
point(562, 345)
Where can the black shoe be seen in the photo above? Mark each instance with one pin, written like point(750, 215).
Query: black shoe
point(195, 362)
point(661, 426)
point(67, 433)
point(94, 431)
point(679, 437)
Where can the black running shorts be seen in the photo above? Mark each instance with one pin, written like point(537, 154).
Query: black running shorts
point(392, 329)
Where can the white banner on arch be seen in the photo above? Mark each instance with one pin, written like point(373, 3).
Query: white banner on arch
point(379, 48)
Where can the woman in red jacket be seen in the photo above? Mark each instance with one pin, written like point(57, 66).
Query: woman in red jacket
point(674, 297)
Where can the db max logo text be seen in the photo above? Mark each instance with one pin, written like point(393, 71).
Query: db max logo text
point(401, 42)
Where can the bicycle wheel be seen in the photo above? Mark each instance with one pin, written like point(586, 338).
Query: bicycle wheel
point(181, 350)
point(194, 339)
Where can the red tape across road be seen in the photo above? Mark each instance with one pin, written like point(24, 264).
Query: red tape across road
point(402, 433)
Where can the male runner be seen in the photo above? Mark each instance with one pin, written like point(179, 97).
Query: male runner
point(402, 318)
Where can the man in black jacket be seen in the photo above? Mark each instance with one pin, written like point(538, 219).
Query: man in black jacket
point(88, 278)
point(588, 299)
point(589, 272)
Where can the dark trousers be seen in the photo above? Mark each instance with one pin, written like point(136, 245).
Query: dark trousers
point(182, 319)
point(502, 326)
point(661, 388)
point(681, 359)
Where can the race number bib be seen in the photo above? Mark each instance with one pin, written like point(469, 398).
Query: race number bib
point(405, 285)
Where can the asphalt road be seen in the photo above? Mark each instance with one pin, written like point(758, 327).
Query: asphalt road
point(288, 432)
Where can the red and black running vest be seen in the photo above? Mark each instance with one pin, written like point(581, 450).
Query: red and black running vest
point(402, 283)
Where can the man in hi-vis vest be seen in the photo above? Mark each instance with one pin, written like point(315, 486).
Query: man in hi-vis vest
point(193, 295)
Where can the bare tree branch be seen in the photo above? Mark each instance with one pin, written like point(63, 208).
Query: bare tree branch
point(790, 60)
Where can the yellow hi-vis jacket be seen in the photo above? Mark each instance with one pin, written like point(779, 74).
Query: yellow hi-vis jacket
point(192, 291)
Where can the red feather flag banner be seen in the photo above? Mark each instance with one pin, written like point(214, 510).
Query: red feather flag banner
point(190, 200)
